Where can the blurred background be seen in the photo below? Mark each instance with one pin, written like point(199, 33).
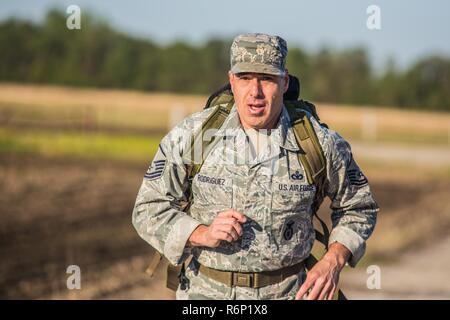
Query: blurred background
point(82, 112)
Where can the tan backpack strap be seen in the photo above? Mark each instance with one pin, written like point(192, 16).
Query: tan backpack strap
point(312, 157)
point(313, 160)
point(173, 274)
point(214, 121)
point(154, 262)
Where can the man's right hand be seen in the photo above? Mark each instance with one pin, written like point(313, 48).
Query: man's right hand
point(226, 226)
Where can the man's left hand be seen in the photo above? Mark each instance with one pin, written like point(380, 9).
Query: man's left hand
point(323, 278)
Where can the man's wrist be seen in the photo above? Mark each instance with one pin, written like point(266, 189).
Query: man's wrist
point(197, 237)
point(338, 254)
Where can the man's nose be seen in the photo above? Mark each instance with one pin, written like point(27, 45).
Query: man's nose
point(256, 88)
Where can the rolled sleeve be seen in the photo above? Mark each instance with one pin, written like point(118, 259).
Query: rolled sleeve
point(351, 240)
point(175, 248)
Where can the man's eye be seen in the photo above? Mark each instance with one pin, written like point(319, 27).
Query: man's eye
point(267, 78)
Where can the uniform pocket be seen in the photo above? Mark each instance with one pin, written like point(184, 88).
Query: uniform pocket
point(289, 196)
point(291, 219)
point(212, 193)
point(212, 186)
point(294, 235)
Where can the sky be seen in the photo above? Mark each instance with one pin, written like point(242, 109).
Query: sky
point(409, 29)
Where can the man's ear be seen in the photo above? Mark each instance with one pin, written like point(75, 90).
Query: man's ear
point(286, 81)
point(231, 79)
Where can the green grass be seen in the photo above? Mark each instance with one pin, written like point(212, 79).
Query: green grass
point(90, 146)
point(147, 118)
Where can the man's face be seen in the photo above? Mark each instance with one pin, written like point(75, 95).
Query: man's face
point(258, 98)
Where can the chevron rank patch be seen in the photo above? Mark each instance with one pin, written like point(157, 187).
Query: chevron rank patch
point(354, 173)
point(156, 170)
point(356, 178)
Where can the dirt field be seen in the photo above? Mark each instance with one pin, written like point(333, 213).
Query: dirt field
point(57, 212)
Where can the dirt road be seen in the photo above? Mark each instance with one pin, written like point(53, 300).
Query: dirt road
point(421, 274)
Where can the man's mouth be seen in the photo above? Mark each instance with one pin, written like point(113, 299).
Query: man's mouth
point(256, 108)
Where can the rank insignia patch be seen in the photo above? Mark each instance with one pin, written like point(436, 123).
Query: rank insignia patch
point(156, 170)
point(356, 178)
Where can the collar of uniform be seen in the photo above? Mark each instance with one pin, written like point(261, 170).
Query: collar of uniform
point(284, 136)
point(231, 125)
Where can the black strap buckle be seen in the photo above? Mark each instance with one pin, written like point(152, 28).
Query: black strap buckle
point(184, 281)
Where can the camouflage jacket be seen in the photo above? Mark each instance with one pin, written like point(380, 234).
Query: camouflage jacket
point(271, 190)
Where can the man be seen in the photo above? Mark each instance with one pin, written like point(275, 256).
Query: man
point(246, 216)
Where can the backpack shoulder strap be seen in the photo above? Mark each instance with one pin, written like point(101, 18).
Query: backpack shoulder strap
point(311, 155)
point(222, 106)
point(312, 158)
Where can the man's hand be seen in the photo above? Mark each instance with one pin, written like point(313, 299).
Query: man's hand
point(226, 226)
point(323, 278)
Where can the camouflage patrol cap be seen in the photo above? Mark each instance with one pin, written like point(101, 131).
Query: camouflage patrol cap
point(258, 52)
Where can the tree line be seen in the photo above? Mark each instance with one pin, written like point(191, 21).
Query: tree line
point(100, 56)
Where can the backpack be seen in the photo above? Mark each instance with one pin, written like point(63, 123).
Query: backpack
point(311, 156)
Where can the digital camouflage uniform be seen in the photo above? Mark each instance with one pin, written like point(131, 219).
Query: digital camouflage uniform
point(271, 190)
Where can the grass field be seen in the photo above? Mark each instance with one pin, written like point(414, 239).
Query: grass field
point(125, 147)
point(112, 123)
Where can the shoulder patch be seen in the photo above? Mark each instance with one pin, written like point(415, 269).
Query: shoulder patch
point(156, 170)
point(356, 178)
point(354, 173)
